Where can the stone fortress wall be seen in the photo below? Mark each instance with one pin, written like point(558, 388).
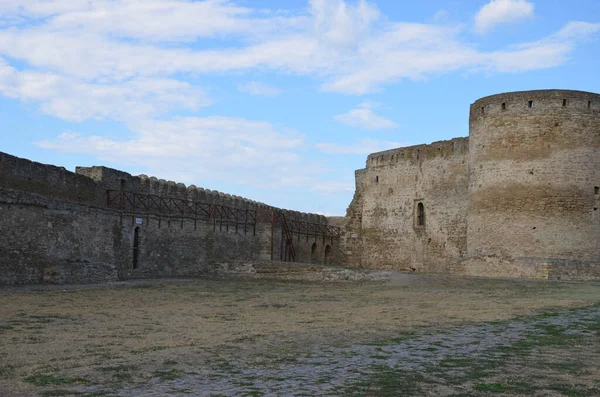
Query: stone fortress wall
point(518, 198)
point(56, 227)
point(390, 190)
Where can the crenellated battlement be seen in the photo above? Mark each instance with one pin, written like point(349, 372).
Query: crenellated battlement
point(48, 180)
point(88, 186)
point(418, 152)
point(532, 103)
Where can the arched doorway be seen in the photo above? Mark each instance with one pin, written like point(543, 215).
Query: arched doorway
point(136, 247)
point(313, 253)
point(328, 254)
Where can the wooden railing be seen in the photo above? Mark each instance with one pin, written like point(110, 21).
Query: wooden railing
point(222, 217)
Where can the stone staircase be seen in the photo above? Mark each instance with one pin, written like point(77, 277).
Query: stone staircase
point(298, 271)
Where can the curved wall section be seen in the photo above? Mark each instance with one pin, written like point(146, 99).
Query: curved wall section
point(534, 180)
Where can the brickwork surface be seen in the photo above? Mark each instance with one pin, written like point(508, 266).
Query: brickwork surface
point(56, 227)
point(518, 198)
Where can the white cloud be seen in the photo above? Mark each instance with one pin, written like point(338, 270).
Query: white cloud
point(149, 20)
point(333, 188)
point(350, 48)
point(553, 49)
point(338, 23)
point(498, 12)
point(364, 146)
point(75, 100)
point(222, 148)
point(440, 16)
point(258, 88)
point(364, 117)
point(130, 60)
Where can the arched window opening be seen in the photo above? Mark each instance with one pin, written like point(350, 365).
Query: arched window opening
point(420, 214)
point(313, 253)
point(136, 247)
point(328, 254)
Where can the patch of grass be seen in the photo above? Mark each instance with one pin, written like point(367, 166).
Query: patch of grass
point(455, 362)
point(245, 339)
point(393, 341)
point(565, 366)
point(117, 368)
point(170, 374)
point(61, 393)
point(49, 318)
point(225, 366)
point(490, 387)
point(170, 362)
point(120, 373)
point(6, 327)
point(384, 381)
point(44, 380)
point(58, 393)
point(379, 357)
point(572, 390)
point(253, 393)
point(149, 349)
point(7, 371)
point(146, 286)
point(244, 383)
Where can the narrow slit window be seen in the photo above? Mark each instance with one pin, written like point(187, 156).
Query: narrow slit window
point(420, 214)
point(376, 179)
point(596, 189)
point(503, 105)
point(589, 104)
point(482, 110)
point(530, 104)
point(564, 102)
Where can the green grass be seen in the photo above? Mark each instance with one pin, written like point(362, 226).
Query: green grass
point(534, 356)
point(44, 380)
point(385, 381)
point(393, 341)
point(490, 387)
point(7, 371)
point(170, 374)
point(6, 327)
point(119, 373)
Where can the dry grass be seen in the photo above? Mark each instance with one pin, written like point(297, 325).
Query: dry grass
point(129, 333)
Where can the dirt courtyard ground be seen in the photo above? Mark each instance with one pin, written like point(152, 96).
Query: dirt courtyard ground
point(415, 335)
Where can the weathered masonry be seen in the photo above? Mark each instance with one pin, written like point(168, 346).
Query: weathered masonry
point(100, 224)
point(519, 197)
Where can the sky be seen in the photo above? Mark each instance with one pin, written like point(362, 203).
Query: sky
point(275, 101)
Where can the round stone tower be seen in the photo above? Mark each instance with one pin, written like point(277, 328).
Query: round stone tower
point(534, 182)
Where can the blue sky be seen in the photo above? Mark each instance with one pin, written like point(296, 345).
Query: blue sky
point(275, 104)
